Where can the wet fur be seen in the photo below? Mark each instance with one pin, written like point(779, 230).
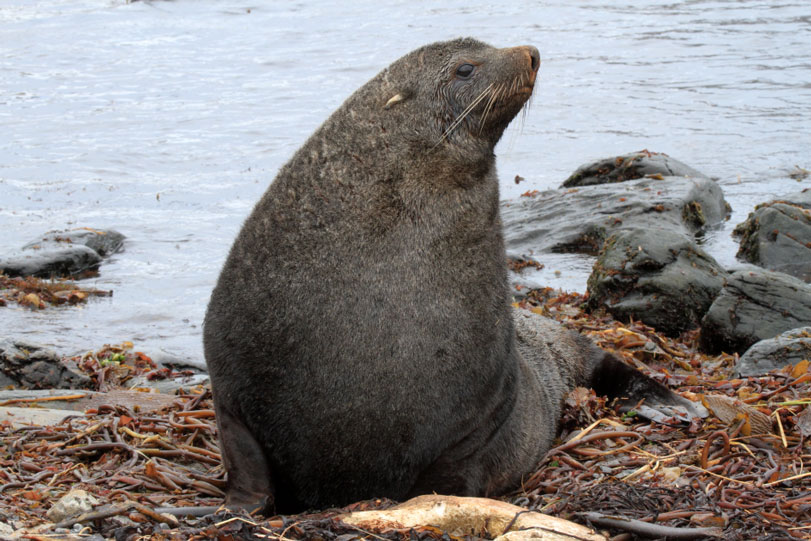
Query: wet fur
point(360, 339)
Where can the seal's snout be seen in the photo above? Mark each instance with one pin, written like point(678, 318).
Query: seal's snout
point(527, 60)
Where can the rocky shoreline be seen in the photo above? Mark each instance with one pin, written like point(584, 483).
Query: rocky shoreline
point(111, 459)
point(643, 216)
point(667, 305)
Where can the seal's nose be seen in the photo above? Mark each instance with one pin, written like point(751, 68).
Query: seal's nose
point(534, 57)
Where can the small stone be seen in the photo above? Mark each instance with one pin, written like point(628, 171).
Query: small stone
point(788, 348)
point(74, 503)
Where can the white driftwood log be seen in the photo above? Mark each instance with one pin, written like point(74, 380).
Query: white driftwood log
point(482, 517)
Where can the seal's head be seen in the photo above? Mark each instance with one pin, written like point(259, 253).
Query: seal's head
point(470, 90)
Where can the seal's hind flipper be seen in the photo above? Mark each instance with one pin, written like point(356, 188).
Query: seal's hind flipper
point(613, 378)
point(249, 485)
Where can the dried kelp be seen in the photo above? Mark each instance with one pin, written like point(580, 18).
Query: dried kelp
point(743, 471)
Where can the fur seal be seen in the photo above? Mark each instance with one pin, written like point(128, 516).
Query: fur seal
point(360, 338)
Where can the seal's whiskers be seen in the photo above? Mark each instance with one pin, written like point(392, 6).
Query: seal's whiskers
point(494, 97)
point(464, 113)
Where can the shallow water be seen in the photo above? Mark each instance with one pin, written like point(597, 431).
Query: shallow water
point(167, 120)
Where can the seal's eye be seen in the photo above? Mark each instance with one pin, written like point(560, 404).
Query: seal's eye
point(465, 71)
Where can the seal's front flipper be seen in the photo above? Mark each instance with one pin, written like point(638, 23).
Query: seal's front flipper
point(615, 379)
point(249, 485)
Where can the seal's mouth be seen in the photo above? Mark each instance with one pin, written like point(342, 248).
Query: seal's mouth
point(525, 87)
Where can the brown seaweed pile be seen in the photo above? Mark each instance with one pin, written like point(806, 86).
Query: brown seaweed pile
point(743, 470)
point(39, 293)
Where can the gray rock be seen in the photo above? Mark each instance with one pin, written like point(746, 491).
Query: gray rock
point(660, 277)
point(652, 270)
point(63, 253)
point(580, 219)
point(790, 347)
point(33, 366)
point(754, 305)
point(629, 167)
point(777, 235)
point(51, 260)
point(103, 242)
point(6, 381)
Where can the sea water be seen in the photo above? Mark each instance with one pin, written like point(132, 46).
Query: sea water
point(167, 120)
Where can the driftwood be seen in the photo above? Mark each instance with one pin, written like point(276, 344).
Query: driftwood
point(481, 517)
point(646, 529)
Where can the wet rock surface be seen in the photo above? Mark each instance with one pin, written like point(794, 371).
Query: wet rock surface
point(754, 305)
point(63, 253)
point(657, 276)
point(32, 366)
point(777, 235)
point(641, 213)
point(55, 260)
point(580, 219)
point(788, 348)
point(630, 167)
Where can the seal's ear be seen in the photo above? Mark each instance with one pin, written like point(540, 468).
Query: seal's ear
point(397, 98)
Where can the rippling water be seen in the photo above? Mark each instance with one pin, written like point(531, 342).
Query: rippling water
point(167, 120)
